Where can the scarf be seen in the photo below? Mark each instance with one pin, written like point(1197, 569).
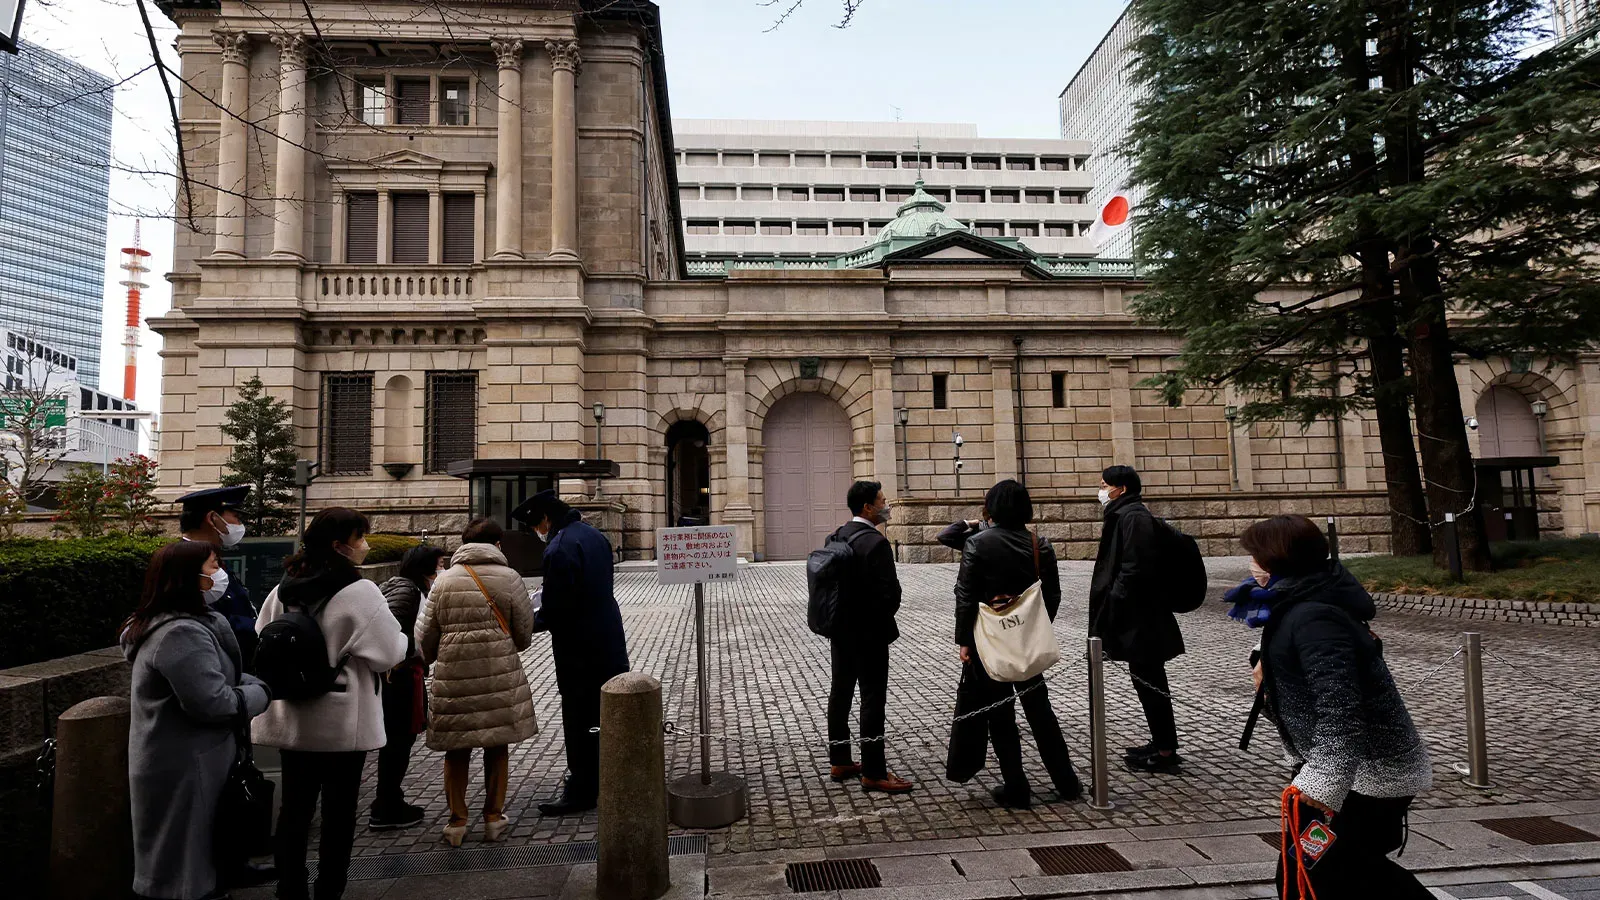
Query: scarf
point(1252, 603)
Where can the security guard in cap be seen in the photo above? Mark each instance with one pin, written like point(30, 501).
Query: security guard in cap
point(215, 516)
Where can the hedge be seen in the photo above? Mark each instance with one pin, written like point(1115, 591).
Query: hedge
point(60, 597)
point(387, 548)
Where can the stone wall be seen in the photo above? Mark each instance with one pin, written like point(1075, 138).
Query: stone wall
point(1072, 521)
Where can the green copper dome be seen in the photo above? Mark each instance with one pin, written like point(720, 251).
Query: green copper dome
point(920, 217)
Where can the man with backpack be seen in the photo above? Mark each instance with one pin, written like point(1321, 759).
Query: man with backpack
point(857, 616)
point(1130, 612)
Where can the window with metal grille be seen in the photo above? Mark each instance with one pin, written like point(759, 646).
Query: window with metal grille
point(1058, 390)
point(460, 228)
point(347, 423)
point(373, 101)
point(409, 230)
point(455, 102)
point(941, 391)
point(411, 96)
point(452, 413)
point(361, 228)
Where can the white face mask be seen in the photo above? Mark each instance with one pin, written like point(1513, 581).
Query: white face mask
point(884, 514)
point(544, 536)
point(219, 586)
point(233, 535)
point(1105, 496)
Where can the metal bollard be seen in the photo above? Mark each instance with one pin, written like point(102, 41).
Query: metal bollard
point(91, 837)
point(632, 862)
point(709, 799)
point(1100, 790)
point(1452, 546)
point(1333, 540)
point(1477, 733)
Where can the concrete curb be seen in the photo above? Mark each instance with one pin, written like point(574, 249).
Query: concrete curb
point(1534, 612)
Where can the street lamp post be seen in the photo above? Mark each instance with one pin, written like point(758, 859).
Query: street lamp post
point(599, 441)
point(1231, 413)
point(958, 442)
point(904, 416)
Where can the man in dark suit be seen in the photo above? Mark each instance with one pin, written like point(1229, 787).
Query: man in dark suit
point(861, 640)
point(580, 611)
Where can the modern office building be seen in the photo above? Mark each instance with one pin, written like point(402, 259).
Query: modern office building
point(55, 158)
point(1097, 107)
point(36, 371)
point(795, 188)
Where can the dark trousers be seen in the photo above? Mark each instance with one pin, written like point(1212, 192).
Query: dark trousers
point(866, 665)
point(1007, 740)
point(1365, 832)
point(395, 755)
point(336, 777)
point(1150, 681)
point(580, 712)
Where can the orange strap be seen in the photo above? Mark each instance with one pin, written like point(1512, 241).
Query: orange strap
point(499, 617)
point(1289, 836)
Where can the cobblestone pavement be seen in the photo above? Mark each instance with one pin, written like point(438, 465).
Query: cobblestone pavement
point(770, 678)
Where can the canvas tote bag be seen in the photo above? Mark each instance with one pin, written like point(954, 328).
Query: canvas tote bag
point(1013, 636)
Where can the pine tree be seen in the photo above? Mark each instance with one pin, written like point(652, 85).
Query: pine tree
point(1328, 181)
point(263, 457)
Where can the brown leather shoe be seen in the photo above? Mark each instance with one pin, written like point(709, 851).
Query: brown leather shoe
point(890, 783)
point(845, 773)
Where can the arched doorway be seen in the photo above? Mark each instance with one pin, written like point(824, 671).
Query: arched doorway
point(806, 473)
point(1506, 425)
point(688, 474)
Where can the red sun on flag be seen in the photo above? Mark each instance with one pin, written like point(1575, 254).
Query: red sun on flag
point(1115, 212)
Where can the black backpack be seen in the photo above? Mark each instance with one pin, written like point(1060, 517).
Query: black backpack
point(1180, 569)
point(292, 657)
point(826, 572)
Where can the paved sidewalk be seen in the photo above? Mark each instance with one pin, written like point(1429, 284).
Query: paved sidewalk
point(771, 681)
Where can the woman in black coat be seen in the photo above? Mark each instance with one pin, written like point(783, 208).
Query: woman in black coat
point(1127, 613)
point(405, 593)
point(1359, 759)
point(1000, 561)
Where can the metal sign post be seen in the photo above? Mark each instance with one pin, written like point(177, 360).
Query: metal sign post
point(695, 556)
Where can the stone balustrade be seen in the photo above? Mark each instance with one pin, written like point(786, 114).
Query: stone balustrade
point(396, 282)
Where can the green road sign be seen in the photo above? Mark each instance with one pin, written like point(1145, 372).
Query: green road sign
point(54, 410)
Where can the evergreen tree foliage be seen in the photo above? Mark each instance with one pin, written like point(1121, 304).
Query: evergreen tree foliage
point(263, 457)
point(1346, 196)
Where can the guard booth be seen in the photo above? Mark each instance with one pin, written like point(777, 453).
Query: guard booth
point(1506, 488)
point(498, 486)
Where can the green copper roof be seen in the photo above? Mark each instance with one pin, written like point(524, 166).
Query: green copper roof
point(920, 217)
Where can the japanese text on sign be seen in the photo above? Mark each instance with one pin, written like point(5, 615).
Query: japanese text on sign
point(689, 555)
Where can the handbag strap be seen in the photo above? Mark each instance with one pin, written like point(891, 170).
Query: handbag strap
point(1037, 574)
point(499, 617)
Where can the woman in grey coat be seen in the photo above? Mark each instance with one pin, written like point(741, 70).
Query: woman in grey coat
point(189, 699)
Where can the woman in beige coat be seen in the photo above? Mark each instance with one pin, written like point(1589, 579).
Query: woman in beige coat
point(476, 620)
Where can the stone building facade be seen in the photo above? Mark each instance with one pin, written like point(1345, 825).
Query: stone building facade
point(446, 239)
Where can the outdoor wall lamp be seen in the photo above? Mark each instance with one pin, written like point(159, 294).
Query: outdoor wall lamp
point(1540, 408)
point(958, 443)
point(905, 415)
point(1472, 422)
point(1230, 413)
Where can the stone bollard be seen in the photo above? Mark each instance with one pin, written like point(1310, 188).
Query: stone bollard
point(633, 791)
point(91, 835)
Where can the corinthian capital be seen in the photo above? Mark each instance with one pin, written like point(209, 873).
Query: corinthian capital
point(564, 55)
point(291, 50)
point(235, 46)
point(507, 52)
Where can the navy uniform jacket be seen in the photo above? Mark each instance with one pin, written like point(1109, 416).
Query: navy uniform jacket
point(235, 606)
point(579, 606)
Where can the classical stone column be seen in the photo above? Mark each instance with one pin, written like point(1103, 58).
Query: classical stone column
point(289, 205)
point(1003, 402)
point(508, 167)
point(885, 463)
point(738, 511)
point(1122, 449)
point(235, 99)
point(564, 63)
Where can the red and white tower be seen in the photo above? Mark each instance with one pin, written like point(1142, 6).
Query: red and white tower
point(133, 263)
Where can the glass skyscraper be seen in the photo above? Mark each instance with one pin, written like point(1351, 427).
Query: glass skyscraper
point(55, 156)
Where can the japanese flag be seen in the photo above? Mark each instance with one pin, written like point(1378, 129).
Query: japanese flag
point(1113, 217)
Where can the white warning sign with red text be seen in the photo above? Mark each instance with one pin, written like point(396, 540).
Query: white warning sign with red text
point(688, 555)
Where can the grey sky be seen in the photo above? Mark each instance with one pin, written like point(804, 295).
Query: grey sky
point(996, 63)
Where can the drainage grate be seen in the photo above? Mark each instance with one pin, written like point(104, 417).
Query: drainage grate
point(401, 865)
point(832, 875)
point(1273, 839)
point(1080, 859)
point(1538, 830)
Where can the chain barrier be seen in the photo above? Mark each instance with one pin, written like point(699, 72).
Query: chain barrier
point(1437, 669)
point(1562, 688)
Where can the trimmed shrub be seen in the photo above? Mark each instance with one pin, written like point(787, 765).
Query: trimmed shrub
point(387, 548)
point(63, 597)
